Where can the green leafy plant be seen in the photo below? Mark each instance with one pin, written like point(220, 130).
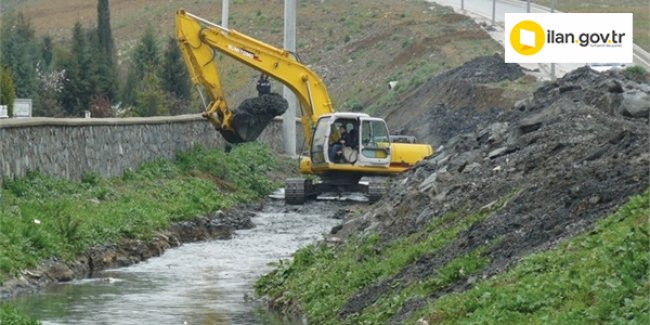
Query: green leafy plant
point(10, 316)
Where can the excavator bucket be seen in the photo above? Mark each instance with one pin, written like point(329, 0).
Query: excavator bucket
point(252, 116)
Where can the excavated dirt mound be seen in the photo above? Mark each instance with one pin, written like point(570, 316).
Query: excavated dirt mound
point(568, 156)
point(456, 101)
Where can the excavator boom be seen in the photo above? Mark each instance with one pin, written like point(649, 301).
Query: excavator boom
point(198, 38)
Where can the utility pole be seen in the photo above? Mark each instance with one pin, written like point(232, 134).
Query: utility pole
point(553, 64)
point(462, 5)
point(224, 13)
point(289, 117)
point(528, 6)
point(494, 11)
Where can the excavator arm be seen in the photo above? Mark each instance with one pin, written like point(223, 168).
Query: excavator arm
point(199, 39)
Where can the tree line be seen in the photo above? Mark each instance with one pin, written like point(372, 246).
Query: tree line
point(66, 79)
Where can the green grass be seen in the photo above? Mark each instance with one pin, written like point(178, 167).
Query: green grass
point(389, 304)
point(42, 217)
point(595, 278)
point(639, 8)
point(321, 278)
point(10, 316)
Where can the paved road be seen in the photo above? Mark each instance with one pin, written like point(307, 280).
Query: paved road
point(481, 11)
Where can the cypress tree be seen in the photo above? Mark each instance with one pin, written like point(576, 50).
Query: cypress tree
point(80, 84)
point(105, 37)
point(46, 51)
point(19, 51)
point(129, 90)
point(150, 99)
point(175, 79)
point(146, 57)
point(7, 90)
point(106, 72)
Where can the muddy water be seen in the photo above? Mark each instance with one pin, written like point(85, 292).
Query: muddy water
point(199, 283)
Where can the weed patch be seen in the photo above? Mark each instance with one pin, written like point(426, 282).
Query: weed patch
point(10, 316)
point(597, 277)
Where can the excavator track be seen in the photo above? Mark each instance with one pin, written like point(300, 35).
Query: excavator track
point(296, 190)
point(377, 188)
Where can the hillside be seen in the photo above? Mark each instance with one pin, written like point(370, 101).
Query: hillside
point(357, 47)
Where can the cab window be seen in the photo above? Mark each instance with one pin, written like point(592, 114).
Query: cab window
point(318, 142)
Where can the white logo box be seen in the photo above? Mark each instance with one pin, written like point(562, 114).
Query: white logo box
point(592, 30)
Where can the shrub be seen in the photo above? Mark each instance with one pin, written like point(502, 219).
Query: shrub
point(10, 316)
point(636, 73)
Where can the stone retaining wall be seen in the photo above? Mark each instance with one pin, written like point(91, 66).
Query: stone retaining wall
point(68, 148)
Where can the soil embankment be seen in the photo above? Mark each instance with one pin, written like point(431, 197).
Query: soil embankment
point(569, 155)
point(505, 184)
point(459, 100)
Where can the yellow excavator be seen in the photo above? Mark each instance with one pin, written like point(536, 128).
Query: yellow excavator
point(368, 153)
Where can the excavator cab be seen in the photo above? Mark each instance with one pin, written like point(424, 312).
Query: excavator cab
point(368, 141)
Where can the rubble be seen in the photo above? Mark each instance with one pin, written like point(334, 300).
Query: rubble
point(564, 158)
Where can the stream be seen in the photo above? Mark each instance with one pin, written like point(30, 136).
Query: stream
point(210, 282)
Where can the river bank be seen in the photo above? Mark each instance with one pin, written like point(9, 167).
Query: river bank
point(126, 252)
point(204, 282)
point(59, 230)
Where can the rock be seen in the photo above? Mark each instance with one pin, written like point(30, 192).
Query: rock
point(523, 104)
point(531, 124)
point(567, 88)
point(460, 162)
point(613, 86)
point(488, 207)
point(472, 167)
point(423, 217)
point(636, 104)
point(58, 271)
point(495, 133)
point(32, 274)
point(221, 231)
point(422, 321)
point(429, 183)
point(594, 199)
point(497, 152)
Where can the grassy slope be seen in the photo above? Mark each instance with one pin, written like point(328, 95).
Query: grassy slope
point(598, 277)
point(639, 8)
point(42, 217)
point(355, 46)
point(601, 276)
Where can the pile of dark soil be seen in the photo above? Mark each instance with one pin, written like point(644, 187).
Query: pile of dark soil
point(482, 69)
point(456, 101)
point(253, 115)
point(566, 157)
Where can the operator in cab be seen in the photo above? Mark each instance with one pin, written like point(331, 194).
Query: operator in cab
point(343, 149)
point(336, 148)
